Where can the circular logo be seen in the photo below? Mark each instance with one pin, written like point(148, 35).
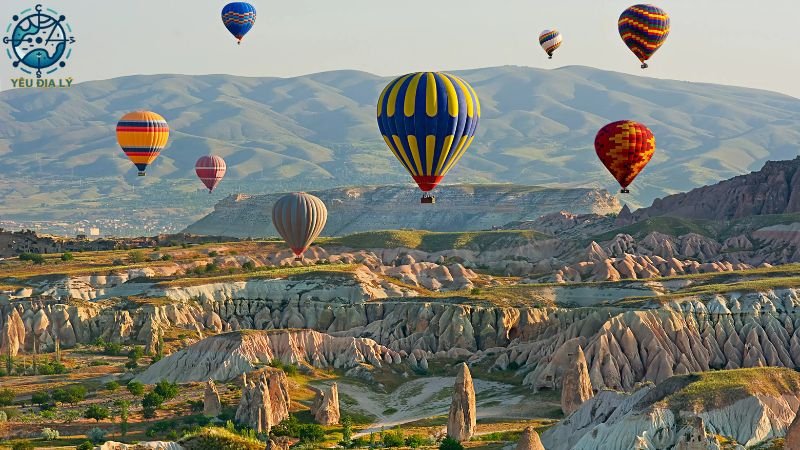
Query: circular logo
point(40, 40)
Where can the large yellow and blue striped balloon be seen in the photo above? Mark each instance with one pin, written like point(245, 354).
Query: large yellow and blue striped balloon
point(428, 120)
point(142, 135)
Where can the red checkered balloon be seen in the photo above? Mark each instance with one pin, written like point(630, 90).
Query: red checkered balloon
point(625, 147)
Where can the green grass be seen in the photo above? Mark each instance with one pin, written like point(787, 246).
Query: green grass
point(675, 226)
point(433, 242)
point(298, 272)
point(717, 389)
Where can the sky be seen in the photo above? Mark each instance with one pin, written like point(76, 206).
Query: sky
point(738, 42)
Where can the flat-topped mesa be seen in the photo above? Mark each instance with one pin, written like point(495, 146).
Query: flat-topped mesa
point(461, 421)
point(468, 208)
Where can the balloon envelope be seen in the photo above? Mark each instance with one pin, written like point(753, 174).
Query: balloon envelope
point(299, 219)
point(428, 120)
point(550, 40)
point(625, 147)
point(239, 18)
point(210, 169)
point(644, 28)
point(142, 135)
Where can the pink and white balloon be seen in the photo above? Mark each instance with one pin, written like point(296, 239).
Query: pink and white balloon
point(210, 169)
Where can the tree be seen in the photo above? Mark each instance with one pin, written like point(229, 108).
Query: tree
point(393, 439)
point(136, 388)
point(23, 445)
point(449, 443)
point(86, 445)
point(136, 352)
point(40, 398)
point(152, 400)
point(310, 433)
point(96, 435)
point(6, 397)
point(97, 413)
point(67, 256)
point(49, 434)
point(112, 386)
point(417, 441)
point(123, 406)
point(136, 256)
point(71, 394)
point(347, 430)
point(166, 390)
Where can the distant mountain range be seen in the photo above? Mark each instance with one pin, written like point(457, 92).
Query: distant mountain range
point(60, 156)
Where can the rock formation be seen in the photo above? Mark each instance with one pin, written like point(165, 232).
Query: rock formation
point(461, 421)
point(792, 441)
point(469, 207)
point(325, 408)
point(529, 440)
point(154, 445)
point(255, 407)
point(211, 404)
point(226, 356)
point(278, 443)
point(576, 387)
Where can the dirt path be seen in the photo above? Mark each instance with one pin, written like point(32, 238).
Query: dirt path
point(426, 397)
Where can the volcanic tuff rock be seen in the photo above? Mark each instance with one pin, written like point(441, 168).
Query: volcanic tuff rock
point(255, 406)
point(325, 408)
point(211, 404)
point(155, 445)
point(461, 421)
point(226, 356)
point(792, 441)
point(529, 440)
point(576, 386)
point(775, 189)
point(462, 208)
point(616, 420)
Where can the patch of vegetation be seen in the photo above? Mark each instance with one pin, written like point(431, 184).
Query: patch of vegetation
point(676, 226)
point(433, 241)
point(219, 438)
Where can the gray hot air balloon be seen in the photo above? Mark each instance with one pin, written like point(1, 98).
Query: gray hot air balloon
point(299, 218)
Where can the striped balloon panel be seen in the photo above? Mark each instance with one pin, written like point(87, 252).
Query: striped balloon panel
point(550, 40)
point(210, 169)
point(142, 135)
point(644, 28)
point(238, 18)
point(299, 219)
point(428, 120)
point(625, 147)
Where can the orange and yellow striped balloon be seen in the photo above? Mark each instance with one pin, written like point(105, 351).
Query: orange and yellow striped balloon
point(142, 135)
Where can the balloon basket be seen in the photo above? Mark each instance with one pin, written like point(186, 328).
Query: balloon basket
point(141, 174)
point(624, 191)
point(428, 199)
point(645, 66)
point(298, 258)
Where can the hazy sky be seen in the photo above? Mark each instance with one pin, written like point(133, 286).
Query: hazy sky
point(738, 42)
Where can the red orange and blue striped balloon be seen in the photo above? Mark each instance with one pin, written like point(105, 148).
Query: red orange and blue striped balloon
point(550, 40)
point(428, 120)
point(239, 18)
point(142, 135)
point(644, 28)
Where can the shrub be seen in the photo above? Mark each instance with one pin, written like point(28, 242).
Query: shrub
point(311, 433)
point(166, 257)
point(449, 443)
point(3, 417)
point(136, 352)
point(213, 254)
point(23, 445)
point(33, 257)
point(136, 388)
point(393, 439)
point(166, 390)
point(96, 435)
point(417, 441)
point(67, 256)
point(152, 400)
point(288, 427)
point(249, 266)
point(40, 398)
point(87, 445)
point(71, 394)
point(112, 348)
point(49, 434)
point(148, 412)
point(136, 256)
point(6, 397)
point(97, 413)
point(47, 414)
point(112, 386)
point(118, 262)
point(131, 364)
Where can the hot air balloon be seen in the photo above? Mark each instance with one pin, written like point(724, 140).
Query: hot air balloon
point(210, 169)
point(238, 18)
point(625, 147)
point(550, 40)
point(644, 28)
point(142, 135)
point(428, 120)
point(299, 219)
